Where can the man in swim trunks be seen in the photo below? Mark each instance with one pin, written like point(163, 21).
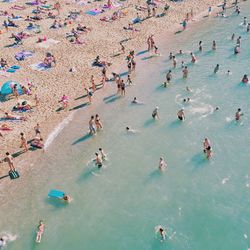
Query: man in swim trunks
point(37, 130)
point(168, 77)
point(92, 128)
point(181, 115)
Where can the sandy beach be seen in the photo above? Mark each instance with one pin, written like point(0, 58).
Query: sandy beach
point(101, 39)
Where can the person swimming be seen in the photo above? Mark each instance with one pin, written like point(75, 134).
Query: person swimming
point(2, 243)
point(245, 79)
point(160, 230)
point(238, 114)
point(129, 130)
point(162, 164)
point(135, 101)
point(98, 160)
point(103, 155)
point(66, 198)
point(186, 100)
point(181, 115)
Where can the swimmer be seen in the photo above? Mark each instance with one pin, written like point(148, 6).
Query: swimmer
point(155, 114)
point(245, 21)
point(238, 42)
point(185, 72)
point(2, 243)
point(200, 46)
point(245, 79)
point(229, 72)
point(233, 36)
point(193, 58)
point(131, 131)
point(188, 89)
point(186, 100)
point(103, 155)
point(66, 198)
point(216, 109)
point(174, 62)
point(98, 160)
point(180, 51)
point(206, 145)
point(237, 49)
point(162, 233)
point(216, 69)
point(248, 27)
point(181, 115)
point(238, 114)
point(162, 164)
point(40, 231)
point(135, 101)
point(208, 152)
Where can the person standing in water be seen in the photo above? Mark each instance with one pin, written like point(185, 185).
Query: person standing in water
point(169, 78)
point(92, 128)
point(214, 45)
point(155, 113)
point(238, 114)
point(216, 69)
point(40, 231)
point(185, 72)
point(181, 115)
point(200, 46)
point(98, 122)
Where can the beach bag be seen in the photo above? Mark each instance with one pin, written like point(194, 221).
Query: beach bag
point(13, 175)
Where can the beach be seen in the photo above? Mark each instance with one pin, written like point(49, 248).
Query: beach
point(185, 170)
point(102, 40)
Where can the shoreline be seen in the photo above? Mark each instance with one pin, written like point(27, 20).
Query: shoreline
point(56, 122)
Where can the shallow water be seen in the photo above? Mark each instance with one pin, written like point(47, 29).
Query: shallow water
point(205, 202)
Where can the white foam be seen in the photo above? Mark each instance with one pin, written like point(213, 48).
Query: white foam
point(8, 237)
point(57, 130)
point(225, 180)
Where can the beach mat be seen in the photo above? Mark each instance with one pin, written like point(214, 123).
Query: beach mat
point(39, 66)
point(56, 194)
point(46, 44)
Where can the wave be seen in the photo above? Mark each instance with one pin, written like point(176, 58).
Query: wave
point(58, 129)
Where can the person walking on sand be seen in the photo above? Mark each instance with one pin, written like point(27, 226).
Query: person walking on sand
point(37, 130)
point(129, 81)
point(9, 160)
point(92, 80)
point(89, 95)
point(24, 143)
point(123, 91)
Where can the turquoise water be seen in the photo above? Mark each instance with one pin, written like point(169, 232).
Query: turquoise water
point(205, 202)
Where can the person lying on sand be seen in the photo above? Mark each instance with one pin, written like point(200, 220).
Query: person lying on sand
point(13, 117)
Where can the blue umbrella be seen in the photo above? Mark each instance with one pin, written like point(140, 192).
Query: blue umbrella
point(8, 86)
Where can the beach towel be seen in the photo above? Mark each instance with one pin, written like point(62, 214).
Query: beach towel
point(56, 194)
point(23, 54)
point(39, 66)
point(94, 12)
point(49, 42)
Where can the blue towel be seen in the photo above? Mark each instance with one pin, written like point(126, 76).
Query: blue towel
point(56, 194)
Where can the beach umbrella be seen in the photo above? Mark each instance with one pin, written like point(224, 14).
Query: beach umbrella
point(8, 86)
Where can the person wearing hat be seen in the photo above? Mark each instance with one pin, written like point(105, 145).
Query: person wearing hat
point(181, 115)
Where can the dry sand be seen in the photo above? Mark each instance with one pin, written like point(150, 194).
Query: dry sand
point(103, 40)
